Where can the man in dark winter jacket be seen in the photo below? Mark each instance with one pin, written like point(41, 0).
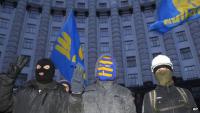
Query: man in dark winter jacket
point(105, 96)
point(167, 98)
point(42, 95)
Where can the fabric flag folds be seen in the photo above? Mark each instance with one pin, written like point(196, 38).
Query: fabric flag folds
point(67, 51)
point(171, 13)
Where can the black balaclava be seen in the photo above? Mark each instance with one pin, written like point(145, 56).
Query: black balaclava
point(44, 71)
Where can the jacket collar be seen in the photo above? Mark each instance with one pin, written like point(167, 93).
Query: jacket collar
point(159, 87)
point(36, 85)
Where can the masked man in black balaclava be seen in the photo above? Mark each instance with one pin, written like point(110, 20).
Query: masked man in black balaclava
point(42, 95)
point(44, 71)
point(167, 98)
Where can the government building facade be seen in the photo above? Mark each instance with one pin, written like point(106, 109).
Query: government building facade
point(117, 27)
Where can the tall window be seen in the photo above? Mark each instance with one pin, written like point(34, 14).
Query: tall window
point(34, 13)
point(2, 38)
point(80, 18)
point(155, 41)
point(189, 68)
point(104, 32)
point(131, 61)
point(127, 30)
point(103, 5)
point(55, 31)
point(124, 3)
point(181, 36)
point(148, 11)
point(58, 2)
point(132, 79)
point(4, 23)
point(81, 5)
point(186, 53)
point(104, 47)
point(31, 28)
point(28, 43)
point(126, 17)
point(129, 45)
point(190, 72)
point(57, 16)
point(81, 32)
point(7, 7)
point(103, 19)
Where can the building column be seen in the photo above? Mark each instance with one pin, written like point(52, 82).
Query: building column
point(14, 38)
point(92, 40)
point(117, 42)
point(43, 31)
point(142, 42)
point(172, 53)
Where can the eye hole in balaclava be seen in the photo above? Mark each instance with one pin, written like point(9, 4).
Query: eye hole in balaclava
point(44, 71)
point(38, 66)
point(47, 67)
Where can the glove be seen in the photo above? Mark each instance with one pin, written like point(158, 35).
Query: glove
point(77, 80)
point(15, 69)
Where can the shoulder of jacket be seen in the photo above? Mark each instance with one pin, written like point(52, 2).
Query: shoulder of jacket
point(181, 88)
point(30, 84)
point(122, 90)
point(150, 93)
point(92, 87)
point(187, 91)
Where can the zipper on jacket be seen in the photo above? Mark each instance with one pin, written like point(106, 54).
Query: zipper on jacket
point(168, 91)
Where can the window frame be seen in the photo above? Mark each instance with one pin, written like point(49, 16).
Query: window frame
point(129, 45)
point(104, 47)
point(186, 53)
point(131, 61)
point(28, 43)
point(155, 41)
point(181, 35)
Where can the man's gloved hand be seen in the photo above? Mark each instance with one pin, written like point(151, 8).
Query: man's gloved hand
point(77, 80)
point(16, 68)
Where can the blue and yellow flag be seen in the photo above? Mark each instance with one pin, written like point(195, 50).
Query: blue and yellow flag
point(171, 13)
point(67, 49)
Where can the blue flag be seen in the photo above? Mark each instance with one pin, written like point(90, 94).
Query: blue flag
point(67, 51)
point(171, 13)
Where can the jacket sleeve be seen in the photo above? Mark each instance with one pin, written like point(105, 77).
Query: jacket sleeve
point(75, 103)
point(68, 103)
point(6, 93)
point(192, 104)
point(146, 107)
point(130, 105)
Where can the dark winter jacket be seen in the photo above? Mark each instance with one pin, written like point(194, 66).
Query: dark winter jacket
point(105, 98)
point(169, 100)
point(34, 99)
